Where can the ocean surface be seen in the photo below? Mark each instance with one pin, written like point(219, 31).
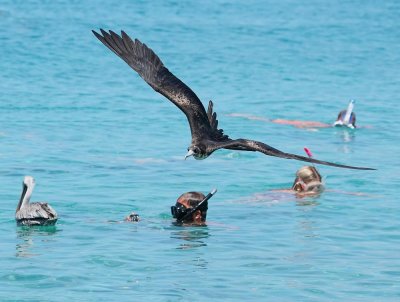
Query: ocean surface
point(101, 144)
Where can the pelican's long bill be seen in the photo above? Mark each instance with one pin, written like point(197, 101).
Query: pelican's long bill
point(24, 189)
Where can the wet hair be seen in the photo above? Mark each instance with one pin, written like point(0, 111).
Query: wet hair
point(306, 175)
point(192, 198)
point(352, 120)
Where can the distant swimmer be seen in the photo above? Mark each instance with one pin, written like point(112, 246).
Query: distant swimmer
point(206, 137)
point(346, 118)
point(308, 181)
point(37, 213)
point(132, 217)
point(191, 208)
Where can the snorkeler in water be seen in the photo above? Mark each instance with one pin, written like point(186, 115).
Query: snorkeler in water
point(191, 208)
point(132, 217)
point(345, 118)
point(308, 182)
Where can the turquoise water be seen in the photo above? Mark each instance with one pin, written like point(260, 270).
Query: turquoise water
point(101, 144)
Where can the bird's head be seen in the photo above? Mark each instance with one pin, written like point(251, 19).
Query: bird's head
point(29, 181)
point(198, 151)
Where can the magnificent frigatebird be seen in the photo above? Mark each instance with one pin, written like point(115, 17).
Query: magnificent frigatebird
point(36, 213)
point(206, 137)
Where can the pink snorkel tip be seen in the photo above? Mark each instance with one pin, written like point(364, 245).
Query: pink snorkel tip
point(308, 152)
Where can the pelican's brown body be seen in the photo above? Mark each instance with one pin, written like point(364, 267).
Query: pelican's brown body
point(36, 213)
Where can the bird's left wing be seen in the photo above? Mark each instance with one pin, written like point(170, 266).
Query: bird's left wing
point(250, 145)
point(148, 65)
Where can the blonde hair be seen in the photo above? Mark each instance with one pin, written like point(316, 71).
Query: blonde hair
point(306, 175)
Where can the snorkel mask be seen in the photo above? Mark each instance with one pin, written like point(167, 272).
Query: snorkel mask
point(313, 187)
point(347, 118)
point(308, 179)
point(182, 213)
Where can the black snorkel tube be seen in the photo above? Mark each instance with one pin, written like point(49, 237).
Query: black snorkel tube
point(193, 210)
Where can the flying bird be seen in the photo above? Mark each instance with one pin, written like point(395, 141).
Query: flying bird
point(206, 137)
point(36, 213)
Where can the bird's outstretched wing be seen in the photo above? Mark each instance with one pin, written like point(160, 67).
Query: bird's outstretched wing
point(250, 145)
point(149, 66)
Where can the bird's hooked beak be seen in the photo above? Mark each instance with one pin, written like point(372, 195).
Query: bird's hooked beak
point(24, 189)
point(190, 153)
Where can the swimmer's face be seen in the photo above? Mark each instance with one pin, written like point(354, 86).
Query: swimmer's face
point(198, 217)
point(313, 187)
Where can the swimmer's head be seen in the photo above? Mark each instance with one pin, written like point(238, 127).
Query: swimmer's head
point(308, 179)
point(132, 217)
point(186, 203)
point(346, 117)
point(340, 120)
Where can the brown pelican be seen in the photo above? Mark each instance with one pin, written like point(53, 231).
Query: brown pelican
point(206, 137)
point(37, 213)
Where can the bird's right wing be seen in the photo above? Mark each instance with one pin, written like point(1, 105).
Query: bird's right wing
point(148, 65)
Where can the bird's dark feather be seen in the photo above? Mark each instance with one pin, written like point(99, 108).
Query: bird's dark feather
point(149, 66)
point(218, 134)
point(250, 145)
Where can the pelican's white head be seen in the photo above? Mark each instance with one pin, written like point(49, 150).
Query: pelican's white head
point(29, 181)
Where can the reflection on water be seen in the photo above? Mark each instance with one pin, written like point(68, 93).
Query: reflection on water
point(307, 202)
point(28, 236)
point(192, 237)
point(347, 135)
point(306, 225)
